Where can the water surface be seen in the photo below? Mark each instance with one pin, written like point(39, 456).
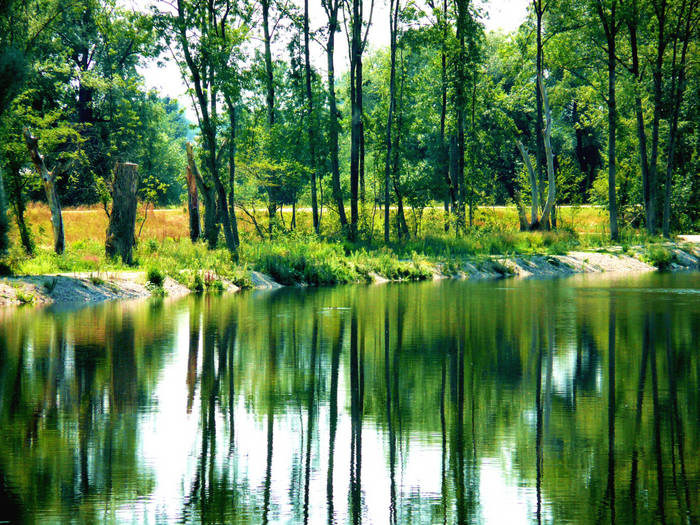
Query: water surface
point(561, 401)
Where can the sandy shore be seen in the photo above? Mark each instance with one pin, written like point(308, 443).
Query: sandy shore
point(84, 288)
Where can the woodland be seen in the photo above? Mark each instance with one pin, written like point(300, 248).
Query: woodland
point(589, 103)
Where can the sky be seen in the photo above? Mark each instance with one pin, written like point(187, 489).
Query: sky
point(501, 15)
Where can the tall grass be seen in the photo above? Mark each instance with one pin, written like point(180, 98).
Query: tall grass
point(299, 257)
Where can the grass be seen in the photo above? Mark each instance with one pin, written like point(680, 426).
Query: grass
point(164, 248)
point(23, 296)
point(659, 256)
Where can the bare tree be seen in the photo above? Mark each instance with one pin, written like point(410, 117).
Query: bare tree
point(49, 180)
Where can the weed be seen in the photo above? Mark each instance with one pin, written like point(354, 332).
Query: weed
point(23, 296)
point(155, 276)
point(197, 283)
point(659, 256)
point(50, 284)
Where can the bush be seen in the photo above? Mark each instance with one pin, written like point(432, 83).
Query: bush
point(197, 283)
point(24, 297)
point(155, 276)
point(50, 284)
point(660, 257)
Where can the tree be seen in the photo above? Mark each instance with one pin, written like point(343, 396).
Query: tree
point(686, 24)
point(393, 28)
point(358, 42)
point(311, 124)
point(203, 40)
point(331, 7)
point(49, 180)
point(607, 14)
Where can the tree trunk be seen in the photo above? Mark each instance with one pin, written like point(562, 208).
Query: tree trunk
point(211, 224)
point(4, 222)
point(539, 12)
point(639, 113)
point(19, 206)
point(658, 102)
point(393, 20)
point(270, 101)
point(444, 161)
point(610, 27)
point(534, 222)
point(333, 131)
point(225, 217)
point(522, 216)
point(271, 215)
point(402, 225)
point(269, 80)
point(679, 70)
point(122, 221)
point(193, 206)
point(49, 179)
point(310, 120)
point(356, 114)
point(232, 173)
point(551, 176)
point(460, 99)
point(472, 154)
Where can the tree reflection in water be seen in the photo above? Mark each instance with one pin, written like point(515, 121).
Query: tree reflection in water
point(435, 403)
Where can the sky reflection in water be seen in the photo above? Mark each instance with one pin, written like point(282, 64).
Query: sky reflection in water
point(444, 402)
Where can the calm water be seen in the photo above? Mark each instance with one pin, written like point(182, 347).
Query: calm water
point(567, 401)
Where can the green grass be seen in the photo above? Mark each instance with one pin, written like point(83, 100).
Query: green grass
point(659, 256)
point(306, 259)
point(23, 296)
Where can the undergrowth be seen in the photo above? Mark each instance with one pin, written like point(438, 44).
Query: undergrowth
point(306, 259)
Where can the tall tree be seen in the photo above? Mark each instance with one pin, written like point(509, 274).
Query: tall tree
point(461, 80)
point(310, 122)
point(633, 24)
point(201, 37)
point(686, 23)
point(358, 43)
point(332, 7)
point(49, 180)
point(607, 14)
point(393, 28)
point(540, 7)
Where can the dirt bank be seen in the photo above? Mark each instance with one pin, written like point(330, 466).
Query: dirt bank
point(83, 288)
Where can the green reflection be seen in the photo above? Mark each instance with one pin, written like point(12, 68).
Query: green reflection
point(532, 402)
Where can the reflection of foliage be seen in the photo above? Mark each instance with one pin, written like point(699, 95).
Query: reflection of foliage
point(453, 371)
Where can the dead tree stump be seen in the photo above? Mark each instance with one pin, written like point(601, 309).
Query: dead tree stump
point(122, 221)
point(49, 179)
point(193, 206)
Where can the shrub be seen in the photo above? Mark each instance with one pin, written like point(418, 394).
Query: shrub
point(155, 276)
point(197, 283)
point(660, 257)
point(24, 297)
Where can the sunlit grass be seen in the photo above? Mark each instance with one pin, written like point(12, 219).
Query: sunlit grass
point(299, 257)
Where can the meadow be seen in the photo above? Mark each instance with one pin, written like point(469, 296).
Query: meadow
point(297, 256)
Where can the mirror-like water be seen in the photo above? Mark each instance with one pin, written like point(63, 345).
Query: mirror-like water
point(567, 401)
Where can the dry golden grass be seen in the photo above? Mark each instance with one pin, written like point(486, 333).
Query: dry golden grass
point(90, 222)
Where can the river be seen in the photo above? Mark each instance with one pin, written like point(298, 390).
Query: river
point(520, 401)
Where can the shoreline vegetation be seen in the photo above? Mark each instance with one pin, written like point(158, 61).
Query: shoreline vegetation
point(167, 265)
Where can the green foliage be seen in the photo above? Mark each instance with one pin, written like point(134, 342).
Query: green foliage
point(23, 296)
point(50, 284)
point(659, 256)
point(4, 222)
point(155, 276)
point(13, 70)
point(197, 283)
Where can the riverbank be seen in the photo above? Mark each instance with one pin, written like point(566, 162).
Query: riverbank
point(319, 264)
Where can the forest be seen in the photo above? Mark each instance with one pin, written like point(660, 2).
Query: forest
point(589, 107)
